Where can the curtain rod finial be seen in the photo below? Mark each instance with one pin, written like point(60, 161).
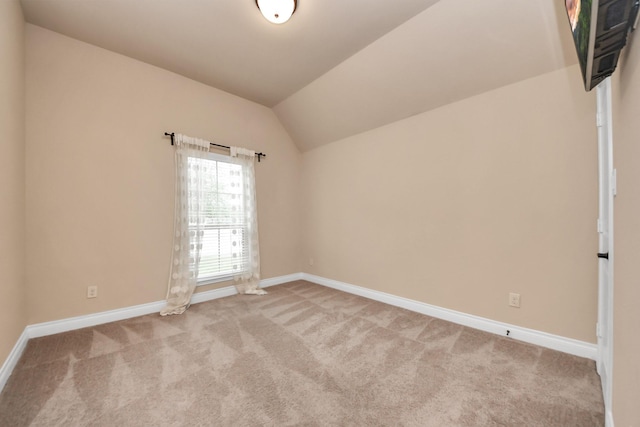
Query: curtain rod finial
point(171, 135)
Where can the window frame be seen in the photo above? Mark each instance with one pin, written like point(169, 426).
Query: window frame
point(209, 280)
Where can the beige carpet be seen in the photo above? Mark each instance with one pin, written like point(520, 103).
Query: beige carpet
point(302, 355)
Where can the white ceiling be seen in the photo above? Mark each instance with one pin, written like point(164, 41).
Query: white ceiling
point(337, 67)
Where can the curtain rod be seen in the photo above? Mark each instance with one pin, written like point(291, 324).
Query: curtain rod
point(172, 135)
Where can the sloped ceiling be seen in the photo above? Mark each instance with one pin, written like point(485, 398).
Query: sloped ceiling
point(337, 67)
point(453, 50)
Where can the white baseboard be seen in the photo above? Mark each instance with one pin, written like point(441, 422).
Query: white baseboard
point(12, 359)
point(280, 280)
point(554, 342)
point(566, 345)
point(79, 322)
point(85, 321)
point(228, 291)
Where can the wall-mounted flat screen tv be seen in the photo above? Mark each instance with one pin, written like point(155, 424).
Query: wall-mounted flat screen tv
point(600, 29)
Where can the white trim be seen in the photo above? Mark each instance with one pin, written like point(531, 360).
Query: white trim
point(281, 279)
point(199, 297)
point(606, 193)
point(213, 281)
point(230, 290)
point(609, 415)
point(12, 359)
point(567, 345)
point(555, 342)
point(79, 322)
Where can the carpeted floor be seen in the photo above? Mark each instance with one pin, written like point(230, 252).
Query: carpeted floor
point(301, 355)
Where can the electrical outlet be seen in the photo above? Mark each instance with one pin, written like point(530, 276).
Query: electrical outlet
point(514, 300)
point(92, 291)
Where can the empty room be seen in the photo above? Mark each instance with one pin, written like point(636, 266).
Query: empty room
point(322, 213)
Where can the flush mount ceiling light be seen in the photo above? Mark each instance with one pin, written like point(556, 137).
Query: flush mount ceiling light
point(277, 11)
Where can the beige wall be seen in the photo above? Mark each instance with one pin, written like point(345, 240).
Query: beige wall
point(455, 207)
point(459, 206)
point(100, 174)
point(626, 339)
point(12, 121)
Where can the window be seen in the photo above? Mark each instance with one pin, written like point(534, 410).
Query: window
point(223, 251)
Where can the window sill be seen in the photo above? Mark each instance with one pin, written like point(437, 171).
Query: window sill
point(214, 280)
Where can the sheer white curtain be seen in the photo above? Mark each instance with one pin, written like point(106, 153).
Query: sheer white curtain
point(188, 224)
point(248, 281)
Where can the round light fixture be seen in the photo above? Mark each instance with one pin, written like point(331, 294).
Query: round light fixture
point(277, 11)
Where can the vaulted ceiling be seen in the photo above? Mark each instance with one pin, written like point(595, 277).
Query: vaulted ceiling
point(337, 67)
